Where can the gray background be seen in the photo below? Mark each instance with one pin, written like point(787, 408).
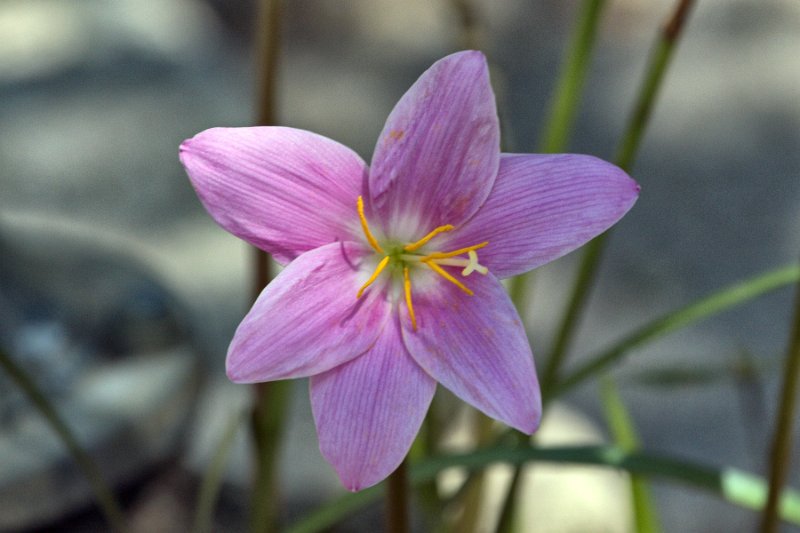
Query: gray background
point(97, 95)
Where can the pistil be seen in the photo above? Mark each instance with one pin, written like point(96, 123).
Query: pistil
point(405, 257)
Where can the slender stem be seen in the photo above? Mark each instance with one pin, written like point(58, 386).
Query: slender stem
point(707, 307)
point(397, 501)
point(782, 442)
point(271, 401)
point(508, 513)
point(564, 103)
point(268, 46)
point(567, 95)
point(268, 420)
point(587, 271)
point(626, 153)
point(473, 490)
point(654, 76)
point(621, 428)
point(212, 480)
point(105, 497)
point(470, 36)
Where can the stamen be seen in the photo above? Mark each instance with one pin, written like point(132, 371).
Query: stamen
point(460, 251)
point(473, 265)
point(407, 289)
point(439, 270)
point(420, 243)
point(365, 226)
point(374, 276)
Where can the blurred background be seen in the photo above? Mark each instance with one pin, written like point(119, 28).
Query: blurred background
point(120, 294)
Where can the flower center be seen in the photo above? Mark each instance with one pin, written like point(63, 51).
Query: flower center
point(407, 256)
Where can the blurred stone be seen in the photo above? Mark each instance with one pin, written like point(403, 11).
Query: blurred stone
point(110, 348)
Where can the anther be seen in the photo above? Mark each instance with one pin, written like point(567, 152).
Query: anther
point(407, 290)
point(442, 272)
point(374, 276)
point(365, 226)
point(461, 251)
point(420, 243)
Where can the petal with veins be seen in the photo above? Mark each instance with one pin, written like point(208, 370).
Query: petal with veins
point(437, 157)
point(283, 190)
point(369, 410)
point(476, 347)
point(543, 207)
point(308, 319)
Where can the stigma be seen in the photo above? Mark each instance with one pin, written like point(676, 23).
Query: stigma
point(404, 258)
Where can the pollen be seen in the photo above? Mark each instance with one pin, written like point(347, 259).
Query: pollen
point(404, 258)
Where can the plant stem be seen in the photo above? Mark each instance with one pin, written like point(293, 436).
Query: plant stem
point(629, 144)
point(397, 501)
point(782, 442)
point(563, 105)
point(271, 400)
point(212, 480)
point(709, 306)
point(621, 427)
point(103, 494)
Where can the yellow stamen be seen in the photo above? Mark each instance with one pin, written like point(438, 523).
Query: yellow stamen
point(460, 251)
point(365, 227)
point(374, 276)
point(407, 289)
point(420, 243)
point(439, 270)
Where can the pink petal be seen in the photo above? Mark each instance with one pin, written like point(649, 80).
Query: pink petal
point(308, 319)
point(543, 207)
point(437, 156)
point(476, 347)
point(283, 190)
point(369, 410)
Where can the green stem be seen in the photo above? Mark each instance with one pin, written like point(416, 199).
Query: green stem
point(782, 442)
point(567, 95)
point(474, 487)
point(628, 147)
point(717, 302)
point(397, 518)
point(105, 497)
point(563, 105)
point(623, 432)
point(587, 271)
point(212, 480)
point(654, 76)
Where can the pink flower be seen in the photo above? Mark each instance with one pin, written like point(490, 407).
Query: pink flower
point(392, 272)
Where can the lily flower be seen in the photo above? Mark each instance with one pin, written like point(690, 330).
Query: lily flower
point(392, 272)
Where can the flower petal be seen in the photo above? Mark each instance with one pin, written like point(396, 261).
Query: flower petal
point(543, 207)
point(438, 154)
point(283, 190)
point(308, 319)
point(369, 410)
point(476, 347)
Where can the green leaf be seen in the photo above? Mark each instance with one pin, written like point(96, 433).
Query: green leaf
point(622, 429)
point(735, 486)
point(705, 308)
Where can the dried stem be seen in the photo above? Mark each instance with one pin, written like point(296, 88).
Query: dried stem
point(269, 412)
point(782, 442)
point(397, 501)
